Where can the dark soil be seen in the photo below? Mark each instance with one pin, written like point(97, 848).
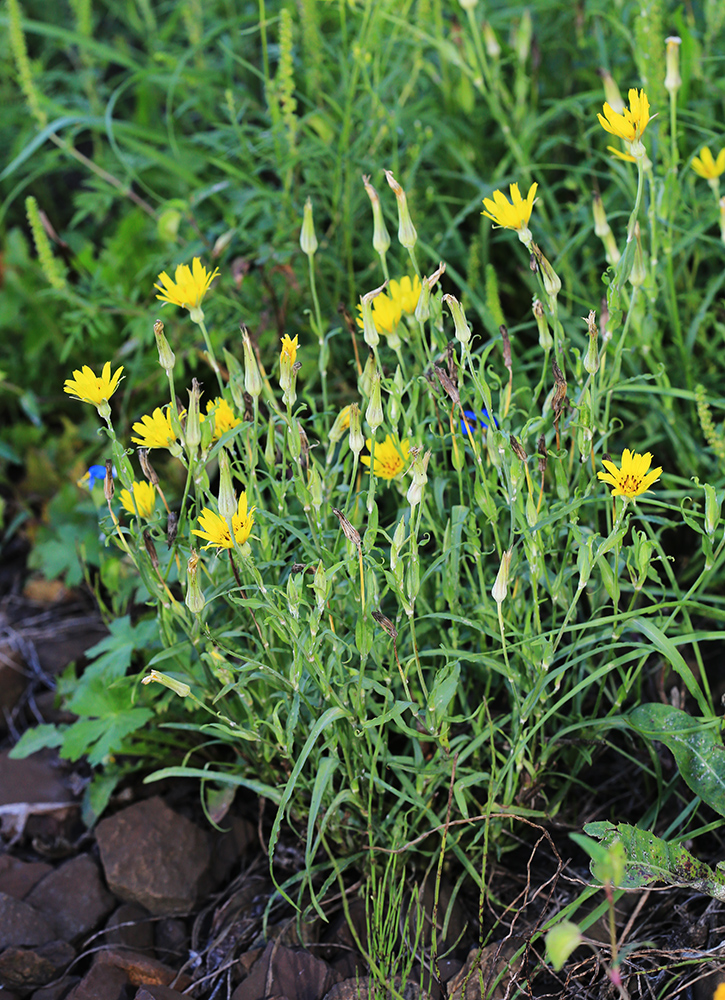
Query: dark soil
point(154, 903)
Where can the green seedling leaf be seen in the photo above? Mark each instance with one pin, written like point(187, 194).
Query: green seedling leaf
point(112, 655)
point(650, 859)
point(561, 941)
point(36, 739)
point(696, 745)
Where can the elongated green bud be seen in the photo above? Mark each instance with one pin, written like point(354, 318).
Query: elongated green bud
point(356, 438)
point(167, 359)
point(461, 327)
point(194, 601)
point(252, 378)
point(183, 690)
point(407, 235)
point(500, 587)
point(192, 432)
point(381, 236)
point(227, 499)
point(370, 333)
point(374, 412)
point(308, 238)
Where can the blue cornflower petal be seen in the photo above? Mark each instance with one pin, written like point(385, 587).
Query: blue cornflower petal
point(475, 421)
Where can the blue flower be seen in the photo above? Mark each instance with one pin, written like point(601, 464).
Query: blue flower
point(473, 421)
point(95, 474)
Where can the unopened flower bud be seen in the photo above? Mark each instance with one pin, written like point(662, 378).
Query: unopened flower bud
point(370, 333)
point(341, 424)
point(461, 327)
point(348, 528)
point(227, 499)
point(591, 358)
point(673, 80)
point(365, 381)
point(546, 341)
point(308, 239)
point(374, 412)
point(314, 485)
point(356, 438)
point(493, 49)
point(167, 359)
point(611, 92)
point(407, 235)
point(183, 690)
point(551, 280)
point(320, 586)
point(604, 232)
point(194, 599)
point(712, 509)
point(192, 431)
point(381, 237)
point(150, 549)
point(252, 377)
point(500, 587)
point(419, 468)
point(523, 33)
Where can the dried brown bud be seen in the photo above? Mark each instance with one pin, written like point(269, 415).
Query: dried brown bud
point(447, 384)
point(385, 623)
point(451, 358)
point(349, 530)
point(172, 525)
point(591, 322)
point(297, 568)
point(533, 263)
point(506, 346)
point(560, 389)
point(304, 450)
point(248, 407)
point(108, 482)
point(518, 448)
point(543, 454)
point(151, 549)
point(146, 466)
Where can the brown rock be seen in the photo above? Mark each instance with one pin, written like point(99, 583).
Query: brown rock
point(34, 779)
point(130, 927)
point(286, 972)
point(73, 897)
point(21, 968)
point(153, 856)
point(140, 970)
point(101, 982)
point(20, 924)
point(55, 990)
point(159, 993)
point(17, 877)
point(171, 939)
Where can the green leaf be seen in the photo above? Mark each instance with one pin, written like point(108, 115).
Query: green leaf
point(650, 859)
point(112, 655)
point(561, 941)
point(673, 656)
point(100, 738)
point(696, 745)
point(36, 739)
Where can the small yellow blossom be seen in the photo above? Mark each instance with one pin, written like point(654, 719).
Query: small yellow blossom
point(91, 388)
point(215, 529)
point(514, 214)
point(706, 166)
point(143, 494)
point(224, 416)
point(406, 293)
point(189, 286)
point(154, 431)
point(632, 479)
point(630, 125)
point(391, 457)
point(719, 993)
point(289, 349)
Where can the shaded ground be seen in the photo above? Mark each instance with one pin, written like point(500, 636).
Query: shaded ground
point(154, 903)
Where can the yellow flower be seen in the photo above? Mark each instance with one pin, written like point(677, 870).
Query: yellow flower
point(145, 496)
point(406, 293)
point(91, 388)
point(633, 478)
point(189, 286)
point(630, 125)
point(705, 166)
point(391, 457)
point(719, 993)
point(622, 156)
point(289, 349)
point(513, 215)
point(154, 431)
point(224, 418)
point(216, 530)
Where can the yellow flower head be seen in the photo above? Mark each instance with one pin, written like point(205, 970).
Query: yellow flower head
point(514, 214)
point(705, 166)
point(289, 349)
point(144, 496)
point(215, 530)
point(391, 457)
point(632, 479)
point(224, 417)
point(632, 122)
point(154, 431)
point(405, 293)
point(189, 286)
point(91, 388)
point(719, 993)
